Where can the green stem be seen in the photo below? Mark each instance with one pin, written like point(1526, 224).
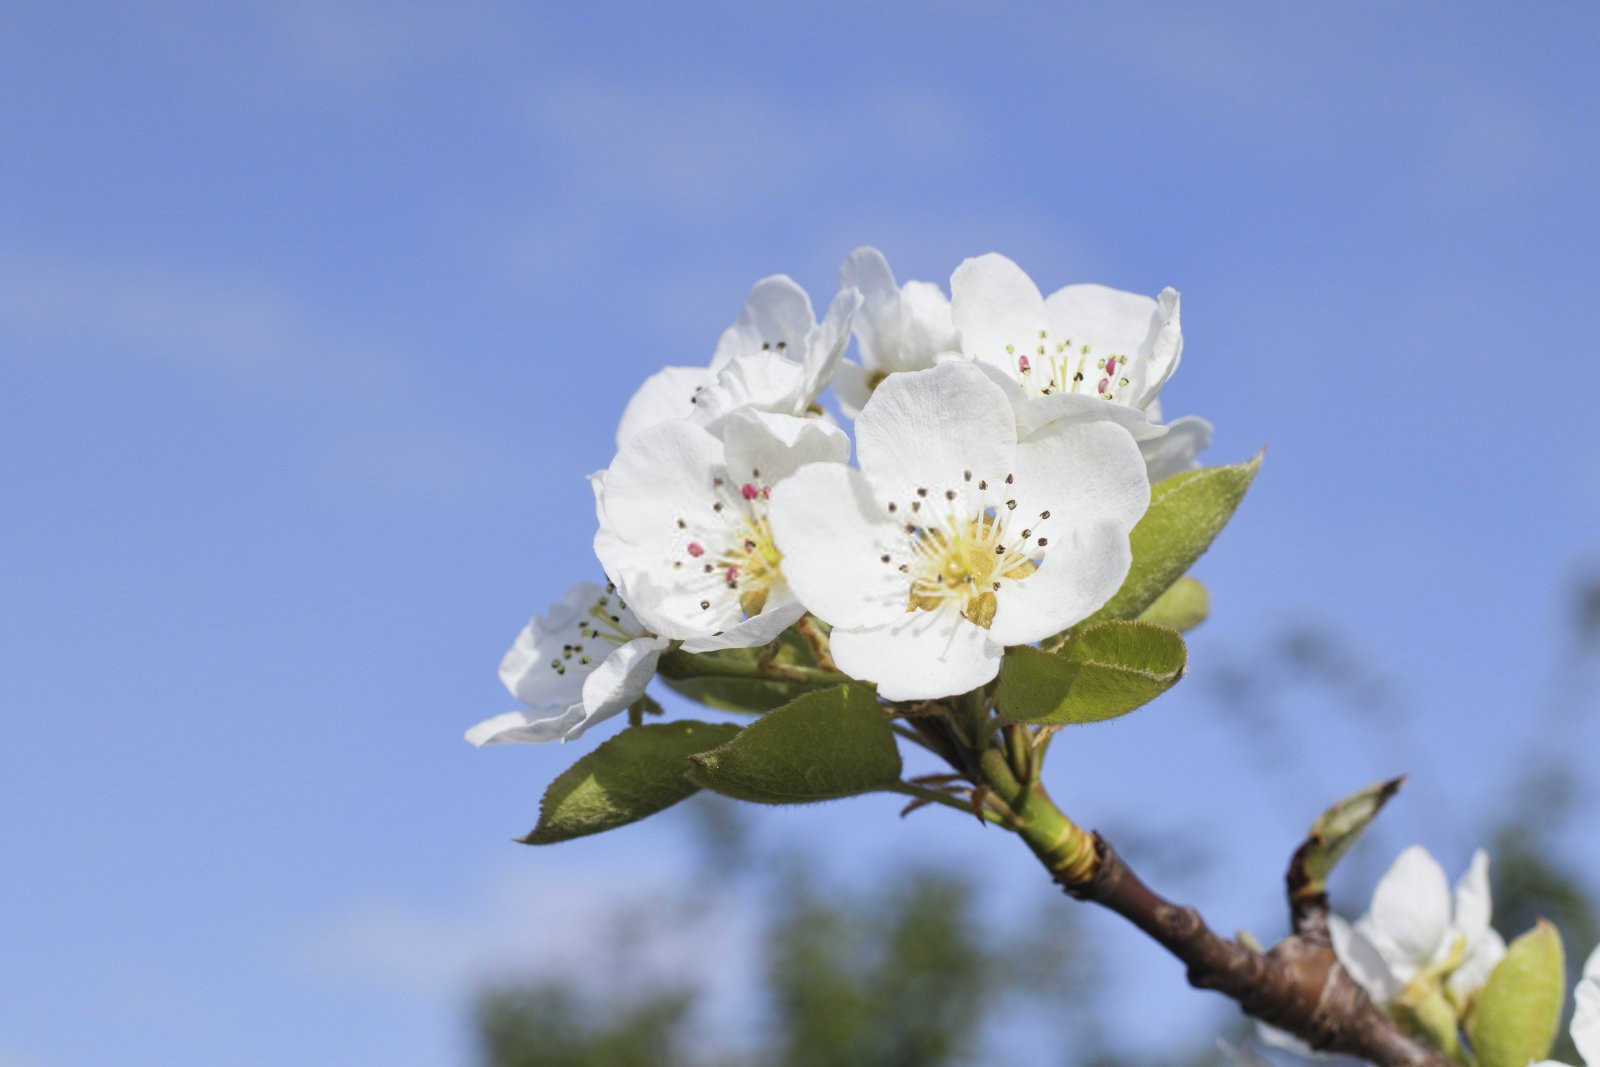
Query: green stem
point(1066, 849)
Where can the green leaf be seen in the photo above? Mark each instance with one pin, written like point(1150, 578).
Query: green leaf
point(1100, 673)
point(734, 679)
point(1518, 1011)
point(1331, 837)
point(1182, 607)
point(1186, 513)
point(831, 743)
point(636, 773)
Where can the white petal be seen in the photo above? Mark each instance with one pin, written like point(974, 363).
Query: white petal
point(877, 324)
point(1481, 958)
point(767, 448)
point(1084, 567)
point(526, 727)
point(659, 475)
point(1363, 960)
point(753, 632)
point(833, 534)
point(762, 380)
point(1083, 472)
point(851, 386)
point(1034, 413)
point(922, 656)
point(927, 327)
point(618, 681)
point(777, 312)
point(1116, 323)
point(525, 668)
point(1411, 909)
point(1174, 451)
point(826, 344)
point(1472, 899)
point(666, 394)
point(1586, 1016)
point(923, 429)
point(994, 304)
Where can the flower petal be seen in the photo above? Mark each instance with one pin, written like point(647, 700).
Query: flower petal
point(532, 726)
point(767, 448)
point(619, 680)
point(1080, 486)
point(1112, 322)
point(833, 534)
point(994, 304)
point(877, 324)
point(763, 380)
point(921, 656)
point(525, 669)
point(826, 344)
point(1482, 955)
point(666, 394)
point(1586, 1015)
point(927, 328)
point(753, 632)
point(776, 313)
point(851, 384)
point(1174, 451)
point(1091, 471)
point(1084, 568)
point(1472, 899)
point(1363, 960)
point(658, 475)
point(923, 429)
point(1411, 909)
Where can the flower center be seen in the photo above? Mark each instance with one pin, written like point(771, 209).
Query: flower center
point(750, 563)
point(1047, 367)
point(962, 563)
point(733, 551)
point(602, 622)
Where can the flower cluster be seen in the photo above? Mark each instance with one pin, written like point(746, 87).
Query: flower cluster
point(1005, 446)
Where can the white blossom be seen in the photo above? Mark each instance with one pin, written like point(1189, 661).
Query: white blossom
point(582, 662)
point(955, 539)
point(775, 357)
point(1086, 351)
point(899, 328)
point(1585, 1015)
point(1410, 930)
point(685, 531)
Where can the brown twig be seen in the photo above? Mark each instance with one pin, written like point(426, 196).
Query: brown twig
point(1296, 986)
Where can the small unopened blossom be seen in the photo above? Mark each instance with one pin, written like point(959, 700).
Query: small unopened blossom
point(1412, 932)
point(1087, 350)
point(685, 529)
point(583, 661)
point(955, 539)
point(899, 327)
point(1585, 1015)
point(775, 357)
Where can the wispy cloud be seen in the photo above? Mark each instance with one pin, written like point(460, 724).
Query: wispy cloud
point(547, 921)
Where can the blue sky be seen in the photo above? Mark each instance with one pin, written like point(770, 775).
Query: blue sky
point(313, 316)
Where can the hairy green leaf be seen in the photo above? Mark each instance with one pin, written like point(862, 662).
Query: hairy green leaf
point(830, 743)
point(636, 773)
point(1186, 513)
point(1182, 607)
point(1100, 673)
point(1518, 1011)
